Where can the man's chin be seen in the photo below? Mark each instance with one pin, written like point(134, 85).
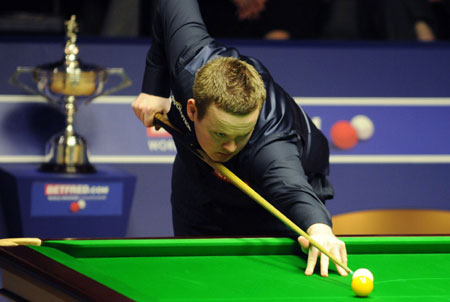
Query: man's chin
point(221, 157)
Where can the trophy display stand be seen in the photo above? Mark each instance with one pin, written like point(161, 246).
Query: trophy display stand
point(66, 196)
point(61, 205)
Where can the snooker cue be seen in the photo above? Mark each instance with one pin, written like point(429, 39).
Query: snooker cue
point(20, 241)
point(236, 181)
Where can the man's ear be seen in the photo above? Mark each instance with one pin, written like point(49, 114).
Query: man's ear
point(191, 109)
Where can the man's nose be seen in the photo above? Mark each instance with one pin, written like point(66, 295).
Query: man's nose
point(230, 146)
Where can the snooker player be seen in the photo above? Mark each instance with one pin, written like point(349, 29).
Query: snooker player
point(228, 105)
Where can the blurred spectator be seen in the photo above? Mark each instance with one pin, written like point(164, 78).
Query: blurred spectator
point(408, 20)
point(24, 16)
point(441, 13)
point(341, 21)
point(380, 20)
point(270, 19)
point(46, 17)
point(423, 20)
point(122, 19)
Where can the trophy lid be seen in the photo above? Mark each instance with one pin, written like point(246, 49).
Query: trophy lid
point(70, 76)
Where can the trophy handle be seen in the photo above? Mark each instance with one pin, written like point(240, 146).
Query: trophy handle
point(125, 80)
point(14, 80)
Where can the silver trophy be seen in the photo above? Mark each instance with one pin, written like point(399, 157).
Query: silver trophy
point(69, 83)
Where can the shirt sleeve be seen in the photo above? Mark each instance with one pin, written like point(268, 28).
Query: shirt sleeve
point(156, 75)
point(177, 29)
point(280, 177)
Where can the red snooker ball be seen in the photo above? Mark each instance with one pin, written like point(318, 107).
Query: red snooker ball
point(74, 207)
point(343, 135)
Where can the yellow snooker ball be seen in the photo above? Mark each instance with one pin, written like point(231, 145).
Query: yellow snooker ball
point(362, 286)
point(362, 282)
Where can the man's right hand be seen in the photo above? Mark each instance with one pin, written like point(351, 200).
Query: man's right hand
point(146, 106)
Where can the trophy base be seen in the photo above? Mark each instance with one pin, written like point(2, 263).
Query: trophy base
point(67, 154)
point(61, 168)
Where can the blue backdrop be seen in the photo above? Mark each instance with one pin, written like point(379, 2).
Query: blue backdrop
point(403, 88)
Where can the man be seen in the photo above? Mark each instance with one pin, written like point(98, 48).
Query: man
point(229, 106)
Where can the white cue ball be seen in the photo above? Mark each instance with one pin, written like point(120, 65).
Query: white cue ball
point(363, 272)
point(82, 204)
point(363, 125)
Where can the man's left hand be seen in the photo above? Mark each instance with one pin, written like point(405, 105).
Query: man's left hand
point(323, 234)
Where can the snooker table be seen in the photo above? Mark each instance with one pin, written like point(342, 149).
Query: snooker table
point(220, 269)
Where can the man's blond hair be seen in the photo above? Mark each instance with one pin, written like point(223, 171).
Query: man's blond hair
point(232, 84)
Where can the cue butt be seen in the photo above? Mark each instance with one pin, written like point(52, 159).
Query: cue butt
point(20, 241)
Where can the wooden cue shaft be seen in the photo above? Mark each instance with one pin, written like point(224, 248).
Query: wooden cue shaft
point(268, 206)
point(235, 180)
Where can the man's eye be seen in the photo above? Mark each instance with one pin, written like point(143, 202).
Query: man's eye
point(219, 134)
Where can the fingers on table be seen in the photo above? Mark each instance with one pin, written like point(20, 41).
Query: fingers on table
point(341, 253)
point(312, 260)
point(338, 251)
point(324, 263)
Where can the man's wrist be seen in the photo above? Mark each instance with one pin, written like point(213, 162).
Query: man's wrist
point(319, 228)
